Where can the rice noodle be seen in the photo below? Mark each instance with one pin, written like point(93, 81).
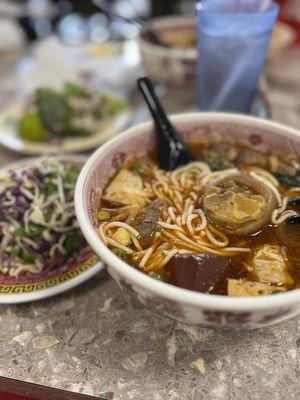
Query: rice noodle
point(279, 211)
point(265, 174)
point(294, 189)
point(169, 226)
point(203, 220)
point(269, 184)
point(122, 225)
point(146, 257)
point(136, 243)
point(171, 214)
point(168, 257)
point(189, 224)
point(220, 243)
point(236, 249)
point(285, 215)
point(184, 227)
point(118, 245)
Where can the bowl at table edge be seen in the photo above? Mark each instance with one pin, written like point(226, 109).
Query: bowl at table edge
point(180, 304)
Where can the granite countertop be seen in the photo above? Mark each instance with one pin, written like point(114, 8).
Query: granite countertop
point(95, 340)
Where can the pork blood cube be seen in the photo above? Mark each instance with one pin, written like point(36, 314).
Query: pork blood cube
point(199, 272)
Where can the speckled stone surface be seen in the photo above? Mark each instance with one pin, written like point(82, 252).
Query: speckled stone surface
point(96, 340)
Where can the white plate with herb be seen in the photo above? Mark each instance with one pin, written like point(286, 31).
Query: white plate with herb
point(72, 119)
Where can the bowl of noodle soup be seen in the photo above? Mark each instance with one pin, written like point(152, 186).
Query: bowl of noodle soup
point(184, 229)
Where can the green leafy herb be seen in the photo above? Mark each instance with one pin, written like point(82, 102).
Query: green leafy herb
point(50, 188)
point(77, 132)
point(120, 253)
point(71, 174)
point(71, 243)
point(28, 257)
point(54, 110)
point(157, 276)
point(111, 105)
point(289, 180)
point(136, 167)
point(47, 216)
point(103, 215)
point(20, 232)
point(218, 165)
point(75, 90)
point(35, 229)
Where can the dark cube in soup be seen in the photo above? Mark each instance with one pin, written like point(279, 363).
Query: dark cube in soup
point(199, 272)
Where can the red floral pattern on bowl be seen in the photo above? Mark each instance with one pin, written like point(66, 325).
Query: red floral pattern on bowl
point(180, 304)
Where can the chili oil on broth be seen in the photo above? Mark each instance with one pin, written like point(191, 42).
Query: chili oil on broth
point(170, 214)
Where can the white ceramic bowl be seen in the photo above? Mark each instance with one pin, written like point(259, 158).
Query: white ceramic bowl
point(181, 304)
point(171, 66)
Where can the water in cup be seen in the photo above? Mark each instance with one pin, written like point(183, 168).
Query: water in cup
point(233, 41)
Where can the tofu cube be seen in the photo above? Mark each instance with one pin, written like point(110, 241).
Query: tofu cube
point(270, 265)
point(238, 287)
point(126, 189)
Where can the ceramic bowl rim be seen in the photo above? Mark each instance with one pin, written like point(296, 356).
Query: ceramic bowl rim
point(161, 289)
point(171, 52)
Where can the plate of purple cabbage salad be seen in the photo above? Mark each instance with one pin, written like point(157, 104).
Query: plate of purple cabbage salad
point(71, 119)
point(42, 250)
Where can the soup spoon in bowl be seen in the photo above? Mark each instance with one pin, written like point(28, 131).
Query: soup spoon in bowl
point(172, 149)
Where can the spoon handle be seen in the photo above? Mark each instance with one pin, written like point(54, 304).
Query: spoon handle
point(172, 150)
point(155, 107)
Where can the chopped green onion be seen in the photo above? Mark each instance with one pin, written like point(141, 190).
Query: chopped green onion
point(136, 167)
point(50, 188)
point(157, 276)
point(288, 180)
point(19, 232)
point(103, 215)
point(74, 90)
point(120, 253)
point(71, 243)
point(28, 257)
point(47, 216)
point(35, 230)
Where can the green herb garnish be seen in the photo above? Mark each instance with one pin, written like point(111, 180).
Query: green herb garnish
point(35, 229)
point(19, 232)
point(50, 188)
point(71, 243)
point(157, 276)
point(28, 257)
point(136, 167)
point(289, 180)
point(120, 253)
point(75, 90)
point(103, 215)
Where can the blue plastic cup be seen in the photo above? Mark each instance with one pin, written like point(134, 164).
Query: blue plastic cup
point(233, 41)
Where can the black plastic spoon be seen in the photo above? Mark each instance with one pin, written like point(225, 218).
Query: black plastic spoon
point(172, 150)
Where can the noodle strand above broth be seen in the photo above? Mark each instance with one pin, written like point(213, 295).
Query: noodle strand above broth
point(217, 220)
